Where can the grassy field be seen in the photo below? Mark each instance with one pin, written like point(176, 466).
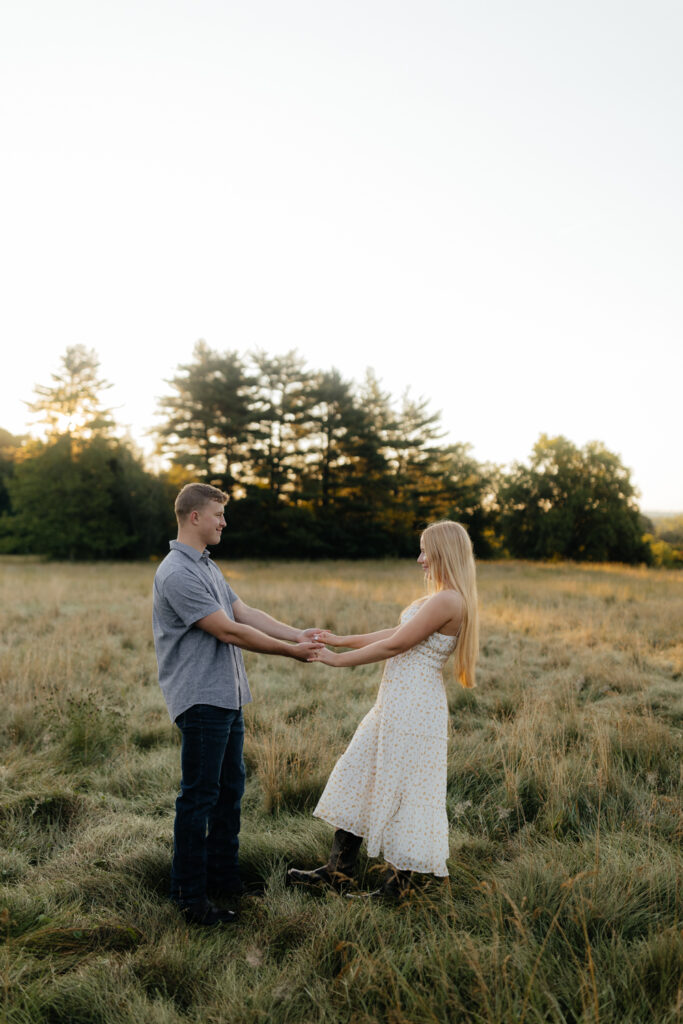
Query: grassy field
point(564, 901)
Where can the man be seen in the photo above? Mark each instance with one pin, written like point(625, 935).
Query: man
point(200, 624)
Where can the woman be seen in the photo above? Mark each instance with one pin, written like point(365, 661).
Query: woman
point(389, 787)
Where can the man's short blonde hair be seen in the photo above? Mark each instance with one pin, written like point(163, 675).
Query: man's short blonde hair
point(194, 497)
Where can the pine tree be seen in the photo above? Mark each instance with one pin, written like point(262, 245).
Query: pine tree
point(283, 400)
point(208, 417)
point(71, 405)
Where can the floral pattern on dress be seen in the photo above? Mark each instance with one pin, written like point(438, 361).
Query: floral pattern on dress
point(389, 785)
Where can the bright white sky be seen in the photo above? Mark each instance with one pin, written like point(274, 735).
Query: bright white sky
point(480, 200)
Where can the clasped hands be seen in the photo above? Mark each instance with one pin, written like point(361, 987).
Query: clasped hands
point(319, 652)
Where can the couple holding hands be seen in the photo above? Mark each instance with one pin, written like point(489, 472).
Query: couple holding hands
point(388, 787)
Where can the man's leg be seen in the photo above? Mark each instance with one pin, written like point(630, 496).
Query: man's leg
point(205, 733)
point(222, 844)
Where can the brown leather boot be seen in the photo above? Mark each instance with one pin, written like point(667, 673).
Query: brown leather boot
point(336, 873)
point(396, 884)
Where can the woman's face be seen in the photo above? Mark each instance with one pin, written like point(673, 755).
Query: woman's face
point(422, 558)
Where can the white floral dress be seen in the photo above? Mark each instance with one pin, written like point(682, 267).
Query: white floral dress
point(389, 785)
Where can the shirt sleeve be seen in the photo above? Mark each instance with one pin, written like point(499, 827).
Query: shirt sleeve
point(231, 593)
point(189, 597)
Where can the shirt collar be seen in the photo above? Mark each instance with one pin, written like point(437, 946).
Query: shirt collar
point(186, 549)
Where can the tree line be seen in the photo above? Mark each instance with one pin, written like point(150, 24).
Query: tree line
point(315, 465)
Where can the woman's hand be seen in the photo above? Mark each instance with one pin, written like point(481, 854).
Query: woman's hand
point(327, 657)
point(303, 651)
point(308, 634)
point(325, 637)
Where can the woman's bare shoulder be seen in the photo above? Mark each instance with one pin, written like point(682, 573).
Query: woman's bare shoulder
point(446, 602)
point(451, 605)
point(449, 599)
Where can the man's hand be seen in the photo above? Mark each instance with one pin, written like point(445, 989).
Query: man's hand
point(304, 651)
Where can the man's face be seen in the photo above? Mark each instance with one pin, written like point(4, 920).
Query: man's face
point(209, 522)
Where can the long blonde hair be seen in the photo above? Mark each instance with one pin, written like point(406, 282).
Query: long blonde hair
point(451, 567)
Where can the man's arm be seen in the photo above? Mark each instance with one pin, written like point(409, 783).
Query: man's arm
point(253, 639)
point(265, 623)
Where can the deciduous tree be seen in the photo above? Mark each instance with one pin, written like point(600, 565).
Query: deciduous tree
point(572, 503)
point(10, 446)
point(94, 502)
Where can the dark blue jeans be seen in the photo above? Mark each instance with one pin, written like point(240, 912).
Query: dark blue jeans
point(207, 811)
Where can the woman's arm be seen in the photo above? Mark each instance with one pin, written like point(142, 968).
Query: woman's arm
point(355, 640)
point(445, 608)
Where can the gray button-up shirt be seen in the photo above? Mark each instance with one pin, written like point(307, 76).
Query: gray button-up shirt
point(194, 667)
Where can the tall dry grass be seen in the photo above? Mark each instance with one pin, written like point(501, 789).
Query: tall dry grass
point(564, 786)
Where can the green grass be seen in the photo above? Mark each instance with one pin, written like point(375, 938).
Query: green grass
point(564, 898)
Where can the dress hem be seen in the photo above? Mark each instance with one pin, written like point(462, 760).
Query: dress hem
point(404, 866)
point(355, 832)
